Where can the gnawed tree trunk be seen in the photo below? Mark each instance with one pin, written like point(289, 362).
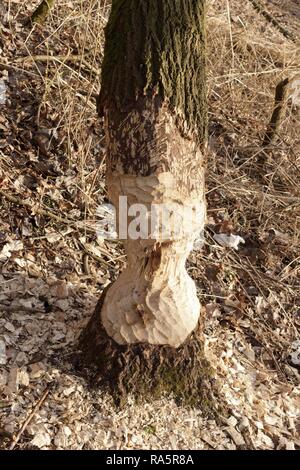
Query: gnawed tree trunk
point(145, 335)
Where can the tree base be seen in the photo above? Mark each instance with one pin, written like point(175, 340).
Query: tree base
point(144, 370)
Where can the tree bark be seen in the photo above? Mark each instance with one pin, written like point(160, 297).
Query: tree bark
point(146, 371)
point(153, 99)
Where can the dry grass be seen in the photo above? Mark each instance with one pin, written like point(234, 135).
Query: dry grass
point(61, 91)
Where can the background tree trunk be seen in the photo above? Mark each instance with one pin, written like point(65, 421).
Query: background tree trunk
point(153, 100)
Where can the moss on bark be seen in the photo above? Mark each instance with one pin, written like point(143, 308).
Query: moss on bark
point(146, 371)
point(156, 47)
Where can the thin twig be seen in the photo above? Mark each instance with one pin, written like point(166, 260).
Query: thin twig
point(281, 99)
point(31, 415)
point(41, 12)
point(79, 225)
point(93, 255)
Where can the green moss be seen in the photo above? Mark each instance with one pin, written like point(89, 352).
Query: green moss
point(177, 382)
point(150, 429)
point(41, 12)
point(156, 47)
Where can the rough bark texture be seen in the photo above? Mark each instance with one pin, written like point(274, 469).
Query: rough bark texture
point(147, 371)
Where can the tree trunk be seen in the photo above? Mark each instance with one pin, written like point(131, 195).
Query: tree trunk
point(146, 329)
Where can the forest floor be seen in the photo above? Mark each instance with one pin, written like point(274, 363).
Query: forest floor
point(53, 266)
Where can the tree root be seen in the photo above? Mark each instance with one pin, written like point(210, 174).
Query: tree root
point(271, 19)
point(147, 371)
